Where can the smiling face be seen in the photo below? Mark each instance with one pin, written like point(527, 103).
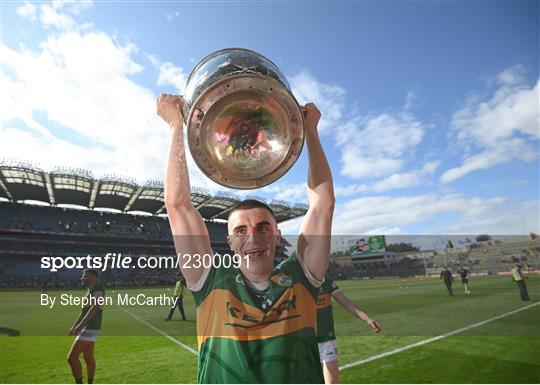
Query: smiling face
point(253, 234)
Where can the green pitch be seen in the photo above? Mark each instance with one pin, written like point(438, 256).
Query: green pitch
point(134, 347)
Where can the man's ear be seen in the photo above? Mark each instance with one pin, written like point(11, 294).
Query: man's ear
point(278, 234)
point(229, 241)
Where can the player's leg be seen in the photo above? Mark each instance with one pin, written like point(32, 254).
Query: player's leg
point(526, 292)
point(73, 360)
point(523, 291)
point(181, 308)
point(85, 342)
point(88, 354)
point(449, 287)
point(329, 361)
point(171, 311)
point(520, 287)
point(331, 372)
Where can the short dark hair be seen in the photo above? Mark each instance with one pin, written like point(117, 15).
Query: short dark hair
point(91, 272)
point(247, 204)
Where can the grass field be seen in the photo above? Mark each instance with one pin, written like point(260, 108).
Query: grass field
point(138, 346)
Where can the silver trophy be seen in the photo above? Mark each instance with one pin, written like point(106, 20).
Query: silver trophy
point(245, 128)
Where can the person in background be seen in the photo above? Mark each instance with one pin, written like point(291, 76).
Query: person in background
point(87, 328)
point(326, 336)
point(448, 280)
point(179, 299)
point(518, 277)
point(464, 274)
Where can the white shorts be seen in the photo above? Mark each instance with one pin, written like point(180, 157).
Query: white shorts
point(328, 351)
point(88, 335)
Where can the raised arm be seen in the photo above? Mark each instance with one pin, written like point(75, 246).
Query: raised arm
point(189, 231)
point(355, 310)
point(316, 228)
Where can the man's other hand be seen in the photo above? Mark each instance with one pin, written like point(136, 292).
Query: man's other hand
point(312, 115)
point(374, 325)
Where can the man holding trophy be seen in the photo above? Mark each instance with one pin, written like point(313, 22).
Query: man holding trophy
point(255, 323)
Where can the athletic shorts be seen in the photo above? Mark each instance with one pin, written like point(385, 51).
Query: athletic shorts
point(328, 351)
point(88, 335)
point(464, 280)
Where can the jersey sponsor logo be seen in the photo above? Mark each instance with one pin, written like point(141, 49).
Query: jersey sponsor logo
point(272, 316)
point(282, 280)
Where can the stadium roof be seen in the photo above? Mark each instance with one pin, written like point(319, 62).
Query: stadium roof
point(20, 181)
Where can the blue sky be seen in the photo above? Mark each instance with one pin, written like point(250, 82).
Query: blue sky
point(430, 109)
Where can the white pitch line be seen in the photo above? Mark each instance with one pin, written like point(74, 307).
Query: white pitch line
point(168, 336)
point(433, 339)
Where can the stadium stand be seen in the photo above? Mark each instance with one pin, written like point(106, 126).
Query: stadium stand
point(482, 258)
point(67, 213)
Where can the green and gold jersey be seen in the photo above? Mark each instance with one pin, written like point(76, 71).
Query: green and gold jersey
point(96, 290)
point(325, 317)
point(249, 336)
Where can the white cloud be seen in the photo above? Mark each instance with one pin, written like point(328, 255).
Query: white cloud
point(80, 81)
point(291, 227)
point(59, 14)
point(171, 15)
point(288, 192)
point(330, 99)
point(406, 179)
point(27, 10)
point(504, 128)
point(409, 100)
point(511, 76)
point(377, 146)
point(350, 189)
point(169, 74)
point(397, 215)
point(392, 182)
point(72, 102)
point(51, 17)
point(371, 147)
point(173, 75)
point(375, 214)
point(516, 218)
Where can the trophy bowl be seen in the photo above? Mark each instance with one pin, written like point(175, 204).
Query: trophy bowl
point(245, 129)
